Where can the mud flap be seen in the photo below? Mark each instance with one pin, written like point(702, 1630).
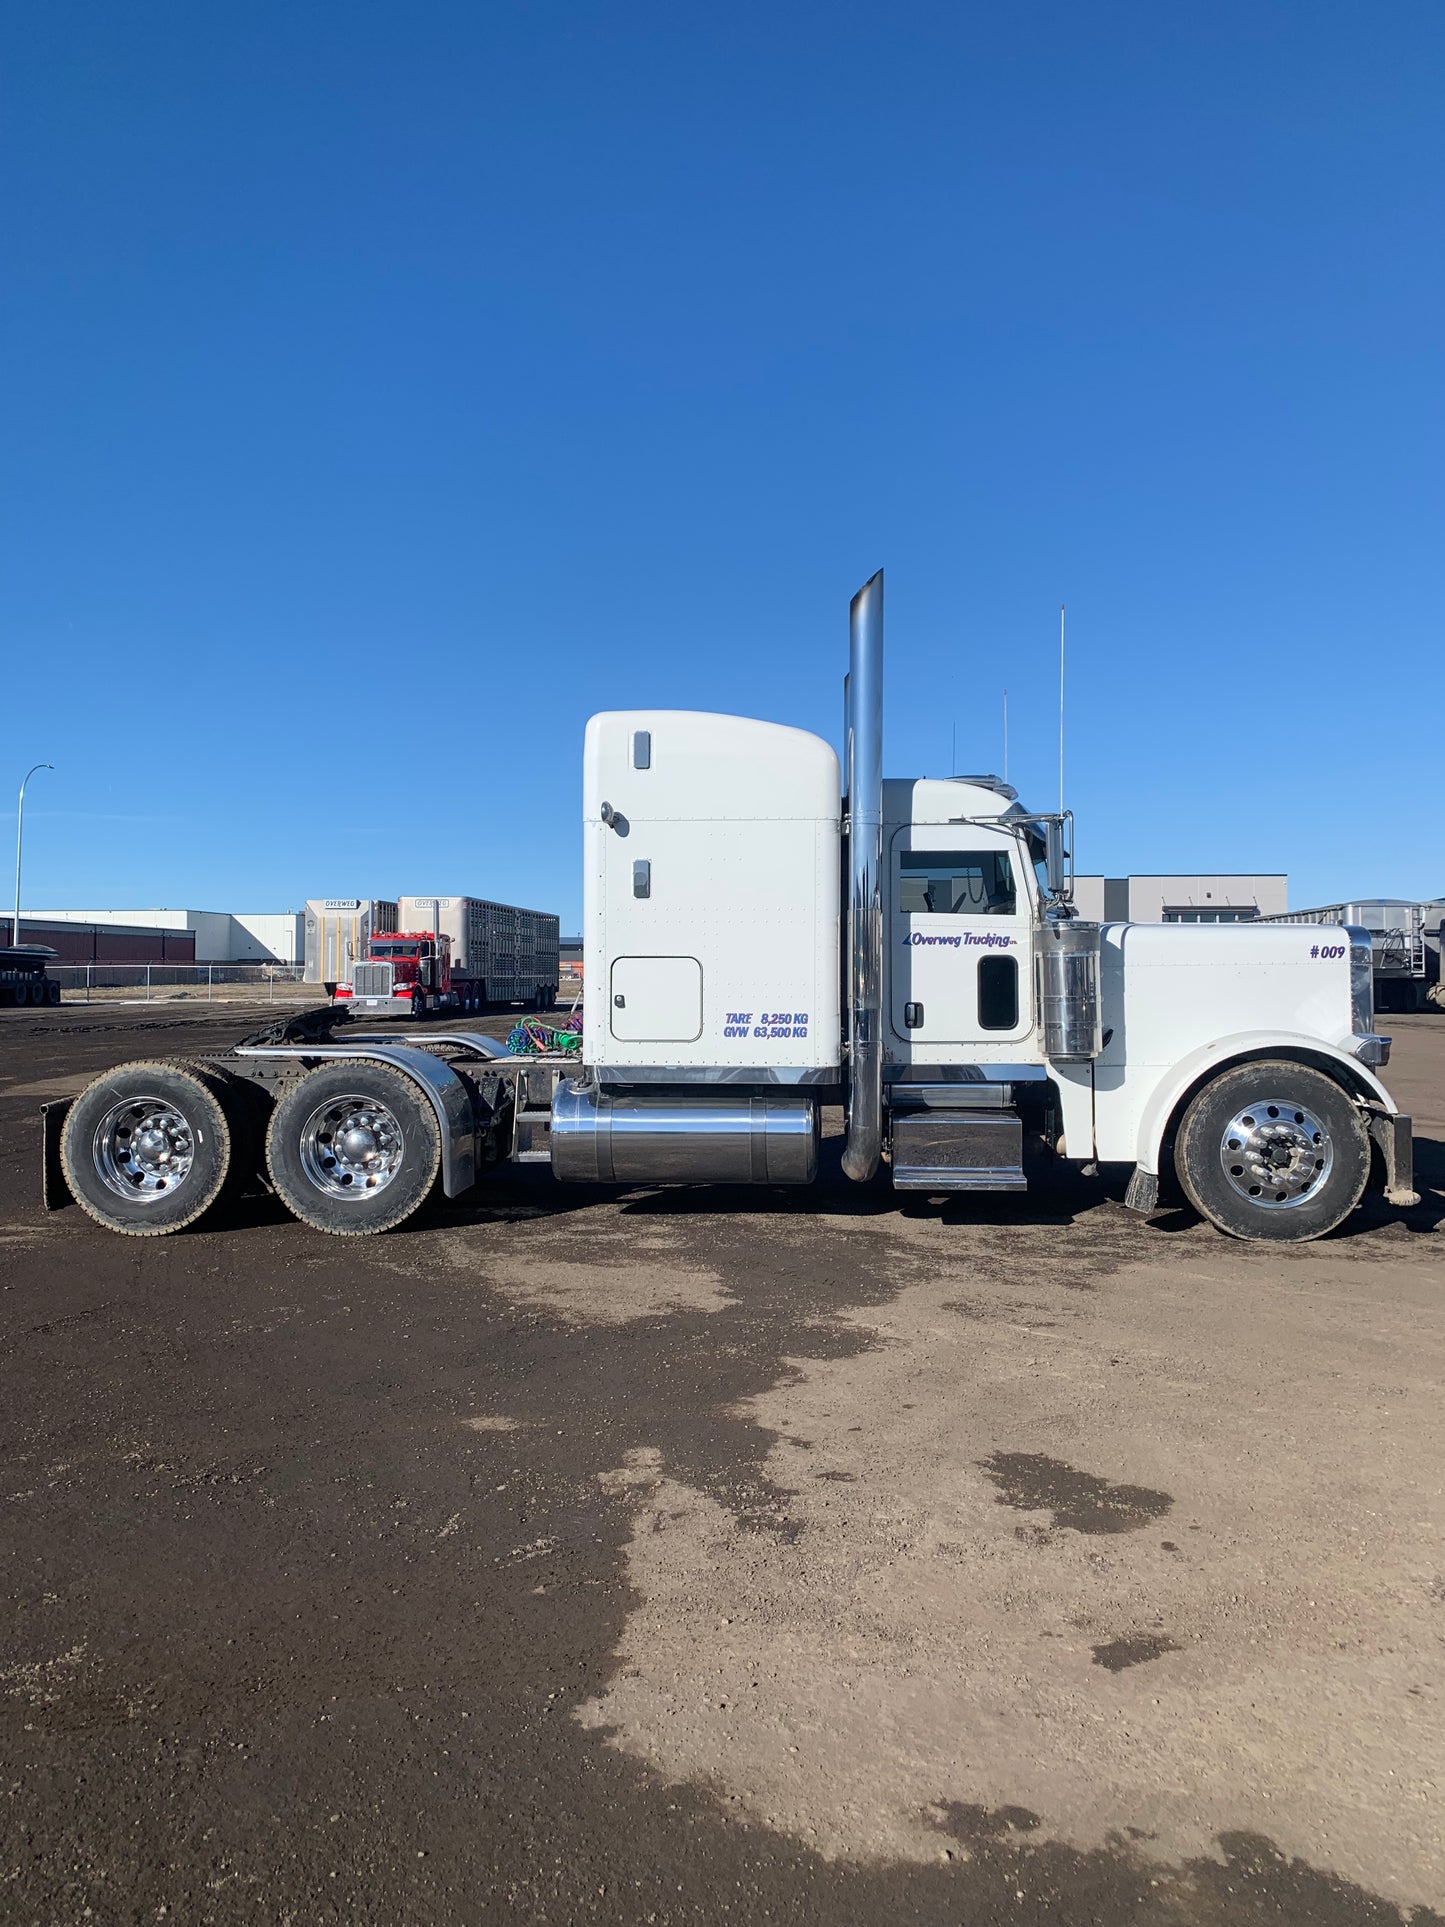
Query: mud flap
point(55, 1193)
point(1394, 1133)
point(1143, 1192)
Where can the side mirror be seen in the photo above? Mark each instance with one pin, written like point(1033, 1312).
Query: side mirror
point(1054, 864)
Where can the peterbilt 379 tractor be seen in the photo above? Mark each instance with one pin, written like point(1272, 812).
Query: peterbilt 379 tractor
point(765, 935)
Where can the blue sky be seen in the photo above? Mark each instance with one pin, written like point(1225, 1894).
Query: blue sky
point(387, 389)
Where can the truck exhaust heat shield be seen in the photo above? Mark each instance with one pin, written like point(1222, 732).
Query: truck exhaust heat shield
point(863, 774)
point(602, 1137)
point(1070, 1008)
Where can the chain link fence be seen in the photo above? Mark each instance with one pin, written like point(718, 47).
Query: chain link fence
point(170, 983)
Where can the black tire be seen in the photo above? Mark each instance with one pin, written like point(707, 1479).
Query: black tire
point(37, 992)
point(52, 992)
point(129, 1190)
point(418, 1006)
point(330, 1191)
point(1232, 1140)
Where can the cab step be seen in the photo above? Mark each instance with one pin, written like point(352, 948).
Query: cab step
point(958, 1150)
point(532, 1134)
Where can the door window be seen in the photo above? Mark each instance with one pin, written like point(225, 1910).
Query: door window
point(998, 993)
point(956, 883)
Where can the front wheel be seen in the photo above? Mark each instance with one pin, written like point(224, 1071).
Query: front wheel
point(354, 1148)
point(1273, 1151)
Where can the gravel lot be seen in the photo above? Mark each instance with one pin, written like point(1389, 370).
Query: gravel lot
point(717, 1556)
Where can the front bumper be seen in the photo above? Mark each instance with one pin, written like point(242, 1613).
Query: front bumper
point(377, 1006)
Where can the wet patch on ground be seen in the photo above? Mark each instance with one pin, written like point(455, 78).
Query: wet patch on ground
point(975, 1824)
point(1079, 1501)
point(1134, 1649)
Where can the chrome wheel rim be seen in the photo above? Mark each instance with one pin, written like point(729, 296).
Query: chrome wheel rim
point(1276, 1154)
point(351, 1147)
point(144, 1148)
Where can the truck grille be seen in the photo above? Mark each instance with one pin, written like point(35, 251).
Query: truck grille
point(371, 980)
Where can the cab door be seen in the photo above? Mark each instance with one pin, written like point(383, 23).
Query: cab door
point(959, 936)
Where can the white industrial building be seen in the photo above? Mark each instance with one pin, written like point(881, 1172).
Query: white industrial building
point(222, 936)
point(1181, 899)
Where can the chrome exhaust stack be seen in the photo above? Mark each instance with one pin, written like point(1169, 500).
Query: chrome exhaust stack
point(863, 774)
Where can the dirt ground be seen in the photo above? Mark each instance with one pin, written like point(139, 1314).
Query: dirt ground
point(717, 1556)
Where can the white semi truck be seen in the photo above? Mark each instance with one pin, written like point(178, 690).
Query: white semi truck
point(766, 935)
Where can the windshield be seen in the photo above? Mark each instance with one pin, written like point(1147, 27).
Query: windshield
point(393, 949)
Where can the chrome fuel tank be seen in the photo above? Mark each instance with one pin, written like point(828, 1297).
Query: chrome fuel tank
point(627, 1137)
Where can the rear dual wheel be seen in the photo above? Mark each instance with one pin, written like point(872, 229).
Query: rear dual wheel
point(1273, 1151)
point(148, 1148)
point(354, 1148)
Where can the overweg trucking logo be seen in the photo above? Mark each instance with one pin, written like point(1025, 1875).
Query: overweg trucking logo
point(973, 939)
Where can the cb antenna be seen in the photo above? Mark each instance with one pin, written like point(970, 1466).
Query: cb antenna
point(1005, 735)
point(1061, 709)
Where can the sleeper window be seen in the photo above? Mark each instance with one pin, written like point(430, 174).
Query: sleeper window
point(958, 883)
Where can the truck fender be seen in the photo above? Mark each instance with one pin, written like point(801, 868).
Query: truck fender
point(1176, 1082)
point(440, 1084)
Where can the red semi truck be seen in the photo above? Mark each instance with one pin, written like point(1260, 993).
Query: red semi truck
point(408, 973)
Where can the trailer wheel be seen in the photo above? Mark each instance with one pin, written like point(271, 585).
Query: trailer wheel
point(147, 1148)
point(1273, 1151)
point(354, 1148)
point(52, 991)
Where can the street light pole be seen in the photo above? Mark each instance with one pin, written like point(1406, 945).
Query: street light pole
point(19, 844)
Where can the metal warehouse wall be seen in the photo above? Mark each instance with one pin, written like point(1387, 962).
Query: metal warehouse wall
point(1144, 899)
point(104, 942)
